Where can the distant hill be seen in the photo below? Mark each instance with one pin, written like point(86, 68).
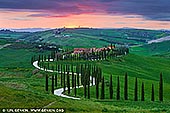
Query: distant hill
point(90, 37)
point(30, 29)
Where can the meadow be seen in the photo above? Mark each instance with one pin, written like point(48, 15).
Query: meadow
point(23, 86)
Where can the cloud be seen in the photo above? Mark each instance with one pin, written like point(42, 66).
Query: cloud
point(148, 9)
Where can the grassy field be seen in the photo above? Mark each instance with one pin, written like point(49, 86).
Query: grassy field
point(15, 35)
point(95, 37)
point(152, 49)
point(22, 86)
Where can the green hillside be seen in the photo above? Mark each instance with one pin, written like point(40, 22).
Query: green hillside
point(84, 37)
point(153, 49)
point(23, 86)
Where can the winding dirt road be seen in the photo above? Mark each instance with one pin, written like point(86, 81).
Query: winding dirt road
point(59, 92)
point(159, 40)
point(2, 46)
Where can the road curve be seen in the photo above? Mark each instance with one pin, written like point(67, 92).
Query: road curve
point(59, 92)
point(167, 38)
point(3, 46)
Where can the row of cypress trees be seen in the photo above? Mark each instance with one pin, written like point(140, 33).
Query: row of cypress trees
point(93, 71)
point(135, 89)
point(88, 70)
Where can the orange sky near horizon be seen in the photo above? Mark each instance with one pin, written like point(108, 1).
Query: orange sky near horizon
point(22, 20)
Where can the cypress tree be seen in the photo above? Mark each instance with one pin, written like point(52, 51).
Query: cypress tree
point(68, 82)
point(52, 85)
point(142, 92)
point(152, 95)
point(64, 79)
point(102, 89)
point(39, 58)
point(92, 74)
point(48, 65)
point(161, 88)
point(81, 73)
point(61, 74)
point(56, 80)
point(111, 88)
point(46, 83)
point(75, 86)
point(136, 90)
point(32, 60)
point(97, 87)
point(88, 84)
point(56, 67)
point(126, 87)
point(48, 58)
point(118, 89)
point(77, 68)
point(84, 83)
point(72, 76)
point(45, 58)
point(42, 59)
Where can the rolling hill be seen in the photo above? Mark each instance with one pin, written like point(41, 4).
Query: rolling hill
point(24, 87)
point(88, 37)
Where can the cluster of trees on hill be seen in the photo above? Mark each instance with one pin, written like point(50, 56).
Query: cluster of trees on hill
point(104, 54)
point(72, 75)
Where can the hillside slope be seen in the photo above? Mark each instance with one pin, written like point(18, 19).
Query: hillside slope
point(86, 37)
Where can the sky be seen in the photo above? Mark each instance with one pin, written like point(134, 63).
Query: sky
point(148, 14)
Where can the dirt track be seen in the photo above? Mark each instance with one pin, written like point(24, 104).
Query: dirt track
point(159, 40)
point(2, 46)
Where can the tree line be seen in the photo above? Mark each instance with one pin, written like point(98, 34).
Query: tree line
point(91, 75)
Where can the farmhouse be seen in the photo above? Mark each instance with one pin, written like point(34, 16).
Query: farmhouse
point(90, 50)
point(81, 50)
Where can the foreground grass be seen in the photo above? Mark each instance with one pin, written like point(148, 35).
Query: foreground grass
point(22, 86)
point(28, 92)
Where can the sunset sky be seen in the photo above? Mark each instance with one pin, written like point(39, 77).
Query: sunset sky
point(149, 14)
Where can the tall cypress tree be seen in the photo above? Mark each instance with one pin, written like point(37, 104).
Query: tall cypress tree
point(102, 89)
point(136, 90)
point(46, 83)
point(84, 83)
point(161, 88)
point(92, 74)
point(118, 89)
point(126, 87)
point(52, 85)
point(64, 79)
point(152, 95)
point(32, 60)
point(56, 80)
point(77, 69)
point(81, 73)
point(75, 92)
point(142, 92)
point(72, 76)
point(111, 88)
point(97, 87)
point(68, 82)
point(61, 70)
point(48, 65)
point(88, 84)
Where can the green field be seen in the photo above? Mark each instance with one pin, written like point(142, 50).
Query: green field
point(95, 37)
point(23, 86)
point(152, 49)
